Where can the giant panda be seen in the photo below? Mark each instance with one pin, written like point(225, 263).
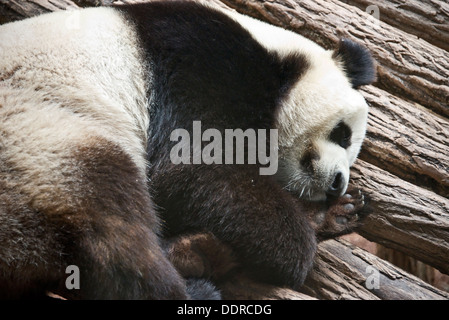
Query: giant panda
point(89, 101)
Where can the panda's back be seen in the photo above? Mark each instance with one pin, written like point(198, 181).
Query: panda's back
point(75, 71)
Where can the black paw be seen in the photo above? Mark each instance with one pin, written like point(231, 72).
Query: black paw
point(343, 215)
point(202, 289)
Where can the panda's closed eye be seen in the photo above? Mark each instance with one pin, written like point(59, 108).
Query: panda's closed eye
point(341, 135)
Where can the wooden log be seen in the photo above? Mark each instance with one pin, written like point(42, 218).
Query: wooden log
point(241, 287)
point(407, 140)
point(93, 3)
point(343, 271)
point(426, 19)
point(11, 10)
point(405, 217)
point(410, 264)
point(408, 67)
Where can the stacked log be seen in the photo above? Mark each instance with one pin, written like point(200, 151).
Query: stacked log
point(426, 19)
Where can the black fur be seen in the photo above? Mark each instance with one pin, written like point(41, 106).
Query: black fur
point(207, 67)
point(204, 66)
point(341, 135)
point(117, 240)
point(107, 227)
point(201, 289)
point(357, 62)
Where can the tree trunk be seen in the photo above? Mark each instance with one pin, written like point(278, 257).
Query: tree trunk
point(343, 271)
point(241, 287)
point(408, 67)
point(426, 19)
point(12, 10)
point(407, 141)
point(405, 217)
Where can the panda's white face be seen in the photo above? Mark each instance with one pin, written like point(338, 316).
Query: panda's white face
point(322, 121)
point(321, 125)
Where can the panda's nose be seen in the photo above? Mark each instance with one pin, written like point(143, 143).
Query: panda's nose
point(337, 186)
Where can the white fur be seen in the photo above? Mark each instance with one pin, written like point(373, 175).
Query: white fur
point(68, 79)
point(319, 100)
point(109, 99)
point(90, 64)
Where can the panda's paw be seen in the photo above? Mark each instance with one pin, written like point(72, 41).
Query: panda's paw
point(200, 255)
point(346, 208)
point(343, 215)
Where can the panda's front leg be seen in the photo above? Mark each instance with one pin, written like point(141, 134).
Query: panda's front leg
point(270, 234)
point(338, 215)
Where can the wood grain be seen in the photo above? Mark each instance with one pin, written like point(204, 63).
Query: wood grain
point(407, 140)
point(345, 272)
point(405, 217)
point(426, 19)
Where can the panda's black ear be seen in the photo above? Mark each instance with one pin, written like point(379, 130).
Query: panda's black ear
point(357, 62)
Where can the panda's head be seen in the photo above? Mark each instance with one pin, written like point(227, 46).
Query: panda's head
point(322, 121)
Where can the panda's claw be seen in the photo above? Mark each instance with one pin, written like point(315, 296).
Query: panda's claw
point(342, 215)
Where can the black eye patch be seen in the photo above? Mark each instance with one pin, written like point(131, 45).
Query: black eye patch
point(341, 135)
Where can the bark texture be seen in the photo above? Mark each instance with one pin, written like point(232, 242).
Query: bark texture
point(426, 19)
point(12, 10)
point(407, 140)
point(405, 217)
point(343, 271)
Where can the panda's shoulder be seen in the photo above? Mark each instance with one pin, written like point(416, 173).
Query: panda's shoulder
point(57, 39)
point(226, 54)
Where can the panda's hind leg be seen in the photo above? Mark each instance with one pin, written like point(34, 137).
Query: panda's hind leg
point(31, 256)
point(117, 245)
point(83, 203)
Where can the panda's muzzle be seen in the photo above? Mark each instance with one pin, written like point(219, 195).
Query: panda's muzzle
point(337, 186)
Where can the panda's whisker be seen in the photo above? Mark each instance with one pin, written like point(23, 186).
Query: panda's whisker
point(289, 184)
point(295, 178)
point(291, 180)
point(302, 191)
